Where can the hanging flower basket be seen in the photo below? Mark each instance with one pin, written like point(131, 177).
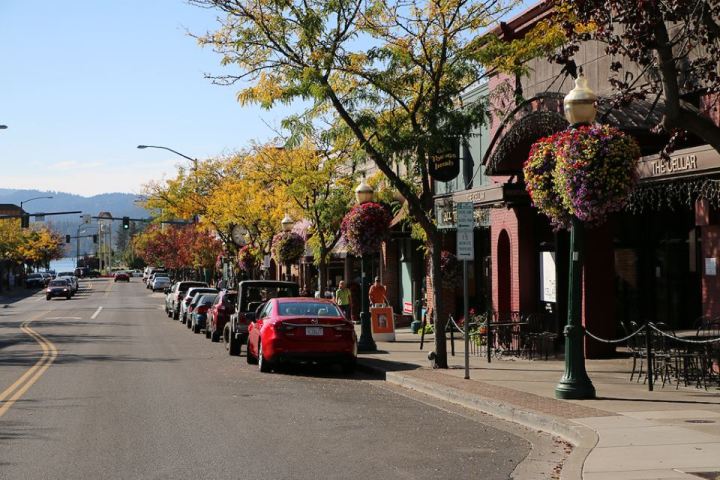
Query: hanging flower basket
point(287, 247)
point(587, 172)
point(365, 227)
point(246, 259)
point(449, 269)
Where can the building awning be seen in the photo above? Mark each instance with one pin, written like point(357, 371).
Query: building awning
point(542, 116)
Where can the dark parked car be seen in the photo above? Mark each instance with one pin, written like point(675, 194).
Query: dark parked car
point(219, 314)
point(93, 274)
point(198, 317)
point(251, 295)
point(189, 301)
point(58, 288)
point(34, 280)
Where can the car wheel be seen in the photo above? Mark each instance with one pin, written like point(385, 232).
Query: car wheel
point(188, 322)
point(175, 315)
point(233, 344)
point(196, 328)
point(207, 332)
point(48, 297)
point(263, 364)
point(215, 336)
point(250, 359)
point(67, 297)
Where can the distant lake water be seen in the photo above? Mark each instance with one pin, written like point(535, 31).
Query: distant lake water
point(66, 264)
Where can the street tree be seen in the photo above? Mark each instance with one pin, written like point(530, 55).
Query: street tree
point(391, 72)
point(318, 182)
point(674, 44)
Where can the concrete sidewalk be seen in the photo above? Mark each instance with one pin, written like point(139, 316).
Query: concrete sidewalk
point(626, 433)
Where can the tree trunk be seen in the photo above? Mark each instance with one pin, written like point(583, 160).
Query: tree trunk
point(322, 275)
point(440, 320)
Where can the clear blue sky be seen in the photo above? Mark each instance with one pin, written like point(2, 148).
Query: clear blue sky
point(83, 82)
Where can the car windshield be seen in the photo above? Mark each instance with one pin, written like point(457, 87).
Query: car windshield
point(254, 295)
point(185, 286)
point(314, 309)
point(58, 283)
point(66, 274)
point(34, 275)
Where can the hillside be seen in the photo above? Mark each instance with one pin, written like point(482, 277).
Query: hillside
point(118, 204)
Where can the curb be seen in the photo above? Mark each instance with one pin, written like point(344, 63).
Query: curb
point(582, 438)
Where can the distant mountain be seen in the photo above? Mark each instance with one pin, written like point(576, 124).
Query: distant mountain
point(118, 204)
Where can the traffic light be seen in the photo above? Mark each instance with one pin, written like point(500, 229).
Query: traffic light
point(126, 223)
point(25, 221)
point(67, 238)
point(95, 238)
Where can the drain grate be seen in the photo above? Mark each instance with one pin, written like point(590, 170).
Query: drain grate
point(701, 421)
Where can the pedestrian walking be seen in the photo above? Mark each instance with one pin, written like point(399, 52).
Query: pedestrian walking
point(378, 293)
point(343, 299)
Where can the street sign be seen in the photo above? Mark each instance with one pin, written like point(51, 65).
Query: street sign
point(465, 216)
point(465, 231)
point(465, 245)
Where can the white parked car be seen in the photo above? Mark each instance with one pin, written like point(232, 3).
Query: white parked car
point(160, 283)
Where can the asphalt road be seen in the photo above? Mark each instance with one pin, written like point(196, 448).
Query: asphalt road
point(124, 392)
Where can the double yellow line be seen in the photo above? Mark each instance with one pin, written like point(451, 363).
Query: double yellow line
point(28, 379)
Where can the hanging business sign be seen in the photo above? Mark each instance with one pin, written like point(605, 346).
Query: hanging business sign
point(445, 161)
point(548, 279)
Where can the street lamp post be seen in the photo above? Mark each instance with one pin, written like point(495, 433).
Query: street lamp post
point(575, 383)
point(366, 343)
point(31, 199)
point(286, 224)
point(193, 160)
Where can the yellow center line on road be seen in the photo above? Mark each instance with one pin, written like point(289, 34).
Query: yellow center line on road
point(11, 394)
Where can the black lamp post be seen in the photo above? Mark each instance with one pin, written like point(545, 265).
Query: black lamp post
point(575, 383)
point(287, 223)
point(366, 343)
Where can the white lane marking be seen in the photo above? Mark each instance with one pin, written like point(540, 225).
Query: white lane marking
point(97, 312)
point(63, 318)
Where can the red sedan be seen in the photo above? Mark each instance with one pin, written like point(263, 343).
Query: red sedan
point(301, 329)
point(122, 277)
point(219, 314)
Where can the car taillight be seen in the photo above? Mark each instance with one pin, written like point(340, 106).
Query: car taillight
point(241, 318)
point(283, 327)
point(202, 309)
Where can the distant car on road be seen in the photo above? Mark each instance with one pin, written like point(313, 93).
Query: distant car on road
point(160, 283)
point(58, 288)
point(137, 273)
point(301, 329)
point(74, 283)
point(121, 277)
point(93, 274)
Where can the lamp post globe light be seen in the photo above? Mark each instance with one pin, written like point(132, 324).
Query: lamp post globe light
point(580, 109)
point(363, 194)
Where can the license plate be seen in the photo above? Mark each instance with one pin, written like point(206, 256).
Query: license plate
point(314, 331)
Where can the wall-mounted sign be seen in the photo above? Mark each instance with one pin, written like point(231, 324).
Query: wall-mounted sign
point(689, 161)
point(548, 283)
point(445, 162)
point(711, 266)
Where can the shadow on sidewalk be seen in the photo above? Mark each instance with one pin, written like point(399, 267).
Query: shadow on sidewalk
point(8, 297)
point(387, 365)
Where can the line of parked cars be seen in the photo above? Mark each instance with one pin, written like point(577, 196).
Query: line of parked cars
point(269, 317)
